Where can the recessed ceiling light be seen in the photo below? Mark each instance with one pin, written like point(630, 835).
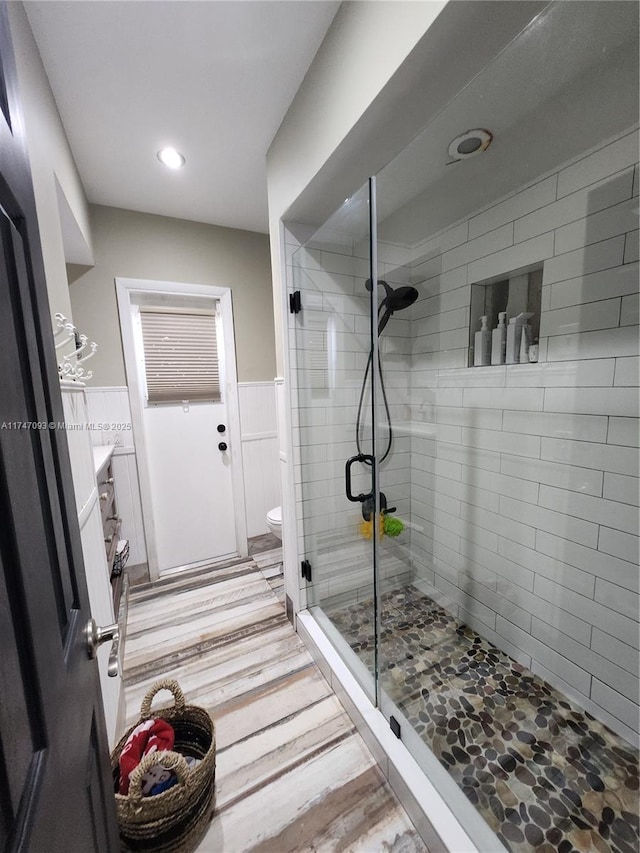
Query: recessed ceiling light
point(171, 158)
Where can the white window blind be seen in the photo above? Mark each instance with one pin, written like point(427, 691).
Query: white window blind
point(180, 355)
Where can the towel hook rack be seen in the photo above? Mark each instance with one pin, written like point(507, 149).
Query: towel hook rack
point(70, 367)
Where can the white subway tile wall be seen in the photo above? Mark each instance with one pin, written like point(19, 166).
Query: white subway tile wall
point(519, 483)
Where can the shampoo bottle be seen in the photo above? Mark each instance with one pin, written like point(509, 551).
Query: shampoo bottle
point(482, 345)
point(499, 340)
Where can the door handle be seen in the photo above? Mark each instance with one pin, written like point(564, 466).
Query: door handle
point(222, 446)
point(95, 636)
point(361, 457)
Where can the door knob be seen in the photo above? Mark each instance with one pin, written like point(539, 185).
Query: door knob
point(221, 427)
point(222, 446)
point(95, 636)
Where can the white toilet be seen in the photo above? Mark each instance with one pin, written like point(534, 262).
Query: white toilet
point(274, 521)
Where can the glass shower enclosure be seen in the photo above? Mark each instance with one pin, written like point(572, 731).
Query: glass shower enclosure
point(467, 501)
point(335, 461)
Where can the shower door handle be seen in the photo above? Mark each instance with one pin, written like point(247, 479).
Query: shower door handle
point(361, 457)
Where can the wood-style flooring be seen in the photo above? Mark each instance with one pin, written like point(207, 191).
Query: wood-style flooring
point(292, 774)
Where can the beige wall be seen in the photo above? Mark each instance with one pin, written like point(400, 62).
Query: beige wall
point(56, 181)
point(139, 245)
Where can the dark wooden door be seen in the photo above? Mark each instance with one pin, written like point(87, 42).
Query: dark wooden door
point(54, 766)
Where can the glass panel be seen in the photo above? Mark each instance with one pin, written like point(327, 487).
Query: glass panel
point(332, 354)
point(504, 585)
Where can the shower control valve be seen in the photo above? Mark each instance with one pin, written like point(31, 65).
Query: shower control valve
point(369, 505)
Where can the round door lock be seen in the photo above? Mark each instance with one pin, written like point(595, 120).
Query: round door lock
point(221, 427)
point(222, 445)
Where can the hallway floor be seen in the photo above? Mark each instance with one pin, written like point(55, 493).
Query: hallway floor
point(292, 774)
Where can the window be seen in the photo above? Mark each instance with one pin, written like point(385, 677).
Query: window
point(180, 355)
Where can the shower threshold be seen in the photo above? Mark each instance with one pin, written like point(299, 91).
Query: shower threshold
point(437, 807)
point(541, 773)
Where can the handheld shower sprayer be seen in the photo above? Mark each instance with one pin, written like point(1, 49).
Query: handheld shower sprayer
point(394, 300)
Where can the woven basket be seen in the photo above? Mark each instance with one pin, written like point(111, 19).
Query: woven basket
point(176, 820)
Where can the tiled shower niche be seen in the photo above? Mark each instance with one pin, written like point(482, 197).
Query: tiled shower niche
point(513, 294)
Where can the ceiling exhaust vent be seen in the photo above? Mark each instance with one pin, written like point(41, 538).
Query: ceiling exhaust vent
point(470, 143)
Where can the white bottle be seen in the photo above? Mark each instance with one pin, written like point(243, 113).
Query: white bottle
point(499, 340)
point(514, 330)
point(514, 336)
point(482, 345)
point(525, 343)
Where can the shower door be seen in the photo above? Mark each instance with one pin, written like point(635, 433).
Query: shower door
point(334, 430)
point(496, 645)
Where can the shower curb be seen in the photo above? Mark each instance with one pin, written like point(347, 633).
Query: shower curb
point(429, 811)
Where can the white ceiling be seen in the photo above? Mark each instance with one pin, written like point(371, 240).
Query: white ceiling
point(213, 79)
point(566, 84)
point(564, 80)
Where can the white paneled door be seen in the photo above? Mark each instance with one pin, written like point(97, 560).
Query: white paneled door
point(191, 488)
point(186, 424)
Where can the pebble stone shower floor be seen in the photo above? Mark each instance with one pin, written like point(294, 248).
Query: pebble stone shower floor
point(546, 776)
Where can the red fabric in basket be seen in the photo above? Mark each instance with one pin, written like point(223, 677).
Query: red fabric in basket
point(150, 736)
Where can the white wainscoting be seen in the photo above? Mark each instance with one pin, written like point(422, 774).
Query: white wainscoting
point(259, 434)
point(109, 417)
